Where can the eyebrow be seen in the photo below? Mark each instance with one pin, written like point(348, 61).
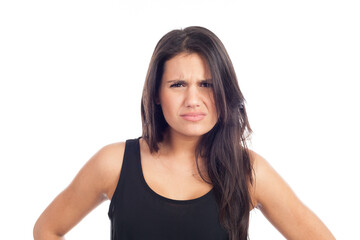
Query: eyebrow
point(172, 81)
point(181, 81)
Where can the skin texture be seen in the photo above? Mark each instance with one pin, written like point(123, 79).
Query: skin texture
point(186, 89)
point(97, 180)
point(94, 183)
point(279, 204)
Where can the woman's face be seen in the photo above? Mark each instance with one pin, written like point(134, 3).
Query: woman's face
point(186, 95)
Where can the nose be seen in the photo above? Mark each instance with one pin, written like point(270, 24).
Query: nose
point(192, 97)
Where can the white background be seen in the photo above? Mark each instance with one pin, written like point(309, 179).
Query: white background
point(71, 80)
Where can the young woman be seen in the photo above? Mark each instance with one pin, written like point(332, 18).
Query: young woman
point(190, 175)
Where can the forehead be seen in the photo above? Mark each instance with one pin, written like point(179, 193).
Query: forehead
point(186, 65)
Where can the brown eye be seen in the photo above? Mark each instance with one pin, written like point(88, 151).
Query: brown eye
point(206, 84)
point(176, 85)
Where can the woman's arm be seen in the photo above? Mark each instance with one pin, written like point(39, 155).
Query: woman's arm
point(281, 207)
point(94, 183)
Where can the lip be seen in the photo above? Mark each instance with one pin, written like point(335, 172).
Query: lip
point(193, 117)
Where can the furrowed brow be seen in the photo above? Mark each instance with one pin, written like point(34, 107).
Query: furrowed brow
point(175, 81)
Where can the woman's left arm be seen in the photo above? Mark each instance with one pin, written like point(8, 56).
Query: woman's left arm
point(281, 207)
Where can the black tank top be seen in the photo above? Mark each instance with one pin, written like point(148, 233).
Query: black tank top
point(138, 213)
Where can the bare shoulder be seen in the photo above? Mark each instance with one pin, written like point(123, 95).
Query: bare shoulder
point(107, 162)
point(279, 204)
point(93, 184)
point(261, 167)
point(262, 174)
point(110, 154)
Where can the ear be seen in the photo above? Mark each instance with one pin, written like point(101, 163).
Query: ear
point(157, 101)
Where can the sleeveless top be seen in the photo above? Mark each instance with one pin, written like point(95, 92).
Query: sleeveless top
point(137, 212)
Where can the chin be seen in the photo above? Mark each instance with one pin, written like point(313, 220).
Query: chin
point(194, 132)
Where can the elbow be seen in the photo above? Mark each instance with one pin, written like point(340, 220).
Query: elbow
point(40, 232)
point(36, 231)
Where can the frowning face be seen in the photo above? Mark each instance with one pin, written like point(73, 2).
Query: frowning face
point(186, 95)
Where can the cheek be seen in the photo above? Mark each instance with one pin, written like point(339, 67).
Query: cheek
point(215, 113)
point(212, 104)
point(169, 105)
point(166, 109)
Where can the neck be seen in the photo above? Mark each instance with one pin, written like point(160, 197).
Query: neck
point(179, 148)
point(177, 153)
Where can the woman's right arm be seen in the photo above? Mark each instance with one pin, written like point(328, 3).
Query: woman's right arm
point(95, 183)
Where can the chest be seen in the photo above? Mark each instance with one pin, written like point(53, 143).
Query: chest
point(167, 205)
point(147, 216)
point(173, 182)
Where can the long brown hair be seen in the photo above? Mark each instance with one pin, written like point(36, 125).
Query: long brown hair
point(224, 147)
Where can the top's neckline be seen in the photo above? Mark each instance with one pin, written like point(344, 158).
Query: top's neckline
point(170, 200)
